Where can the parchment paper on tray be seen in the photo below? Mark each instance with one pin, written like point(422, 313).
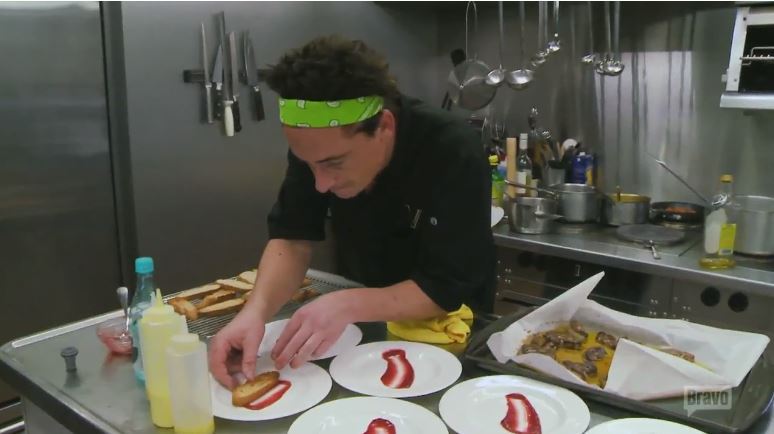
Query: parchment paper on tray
point(723, 357)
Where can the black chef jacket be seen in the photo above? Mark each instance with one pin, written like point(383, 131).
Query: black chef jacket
point(425, 218)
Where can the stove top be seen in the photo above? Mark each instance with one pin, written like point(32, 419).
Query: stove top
point(607, 235)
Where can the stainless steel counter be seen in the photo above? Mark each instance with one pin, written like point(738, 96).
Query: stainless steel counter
point(103, 395)
point(600, 245)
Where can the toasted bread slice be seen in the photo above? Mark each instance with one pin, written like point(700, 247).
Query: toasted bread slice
point(254, 389)
point(305, 294)
point(246, 295)
point(198, 292)
point(248, 276)
point(184, 307)
point(236, 285)
point(307, 281)
point(217, 297)
point(222, 308)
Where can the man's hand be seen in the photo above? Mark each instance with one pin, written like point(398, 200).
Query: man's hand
point(313, 329)
point(242, 335)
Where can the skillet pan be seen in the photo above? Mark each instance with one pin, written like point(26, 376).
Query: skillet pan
point(677, 212)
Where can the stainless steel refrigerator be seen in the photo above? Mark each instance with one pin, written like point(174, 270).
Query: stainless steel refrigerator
point(59, 250)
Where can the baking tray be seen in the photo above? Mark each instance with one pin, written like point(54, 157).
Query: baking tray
point(749, 400)
point(323, 282)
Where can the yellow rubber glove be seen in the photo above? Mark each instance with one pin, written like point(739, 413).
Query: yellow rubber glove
point(446, 329)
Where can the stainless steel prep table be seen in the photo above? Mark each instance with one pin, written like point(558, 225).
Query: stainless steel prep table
point(104, 397)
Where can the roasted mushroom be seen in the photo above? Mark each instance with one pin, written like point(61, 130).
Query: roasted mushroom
point(594, 354)
point(539, 340)
point(607, 340)
point(583, 370)
point(566, 339)
point(578, 328)
point(681, 354)
point(548, 349)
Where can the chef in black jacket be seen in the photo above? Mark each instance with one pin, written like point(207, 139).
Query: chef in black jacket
point(407, 188)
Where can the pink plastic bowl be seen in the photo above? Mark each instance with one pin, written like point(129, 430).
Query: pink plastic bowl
point(111, 333)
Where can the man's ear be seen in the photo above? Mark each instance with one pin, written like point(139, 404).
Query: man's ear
point(388, 123)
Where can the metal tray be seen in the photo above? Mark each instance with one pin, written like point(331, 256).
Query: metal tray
point(323, 282)
point(749, 401)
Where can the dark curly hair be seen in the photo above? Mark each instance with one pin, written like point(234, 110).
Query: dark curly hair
point(332, 68)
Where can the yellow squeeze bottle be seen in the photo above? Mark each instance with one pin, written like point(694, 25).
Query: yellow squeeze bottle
point(157, 326)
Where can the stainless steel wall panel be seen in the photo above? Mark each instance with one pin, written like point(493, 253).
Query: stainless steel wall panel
point(665, 103)
point(201, 199)
point(59, 257)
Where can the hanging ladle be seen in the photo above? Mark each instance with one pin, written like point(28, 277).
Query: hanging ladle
point(555, 45)
point(540, 55)
point(520, 78)
point(497, 76)
point(616, 67)
point(610, 64)
point(591, 57)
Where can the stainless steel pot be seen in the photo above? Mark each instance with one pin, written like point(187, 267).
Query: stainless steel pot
point(578, 203)
point(754, 225)
point(625, 209)
point(532, 215)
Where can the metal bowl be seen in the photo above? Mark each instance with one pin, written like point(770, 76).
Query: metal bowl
point(532, 215)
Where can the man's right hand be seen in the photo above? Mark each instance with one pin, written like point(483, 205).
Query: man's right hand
point(241, 336)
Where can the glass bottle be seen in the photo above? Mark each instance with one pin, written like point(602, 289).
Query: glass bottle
point(720, 228)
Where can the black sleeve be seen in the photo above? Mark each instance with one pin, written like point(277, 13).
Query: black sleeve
point(299, 212)
point(456, 254)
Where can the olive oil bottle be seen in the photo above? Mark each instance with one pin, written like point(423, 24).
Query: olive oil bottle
point(720, 229)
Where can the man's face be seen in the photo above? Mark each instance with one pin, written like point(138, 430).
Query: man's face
point(342, 162)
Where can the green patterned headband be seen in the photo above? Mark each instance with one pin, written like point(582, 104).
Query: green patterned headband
point(325, 114)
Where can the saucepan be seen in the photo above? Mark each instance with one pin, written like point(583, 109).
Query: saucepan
point(754, 216)
point(532, 215)
point(625, 209)
point(578, 203)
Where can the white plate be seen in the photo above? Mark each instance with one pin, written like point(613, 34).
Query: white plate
point(310, 384)
point(348, 340)
point(478, 405)
point(360, 369)
point(353, 415)
point(642, 426)
point(497, 215)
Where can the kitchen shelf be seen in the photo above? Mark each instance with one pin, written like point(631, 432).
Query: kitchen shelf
point(755, 276)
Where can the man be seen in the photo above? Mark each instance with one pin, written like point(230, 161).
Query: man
point(408, 191)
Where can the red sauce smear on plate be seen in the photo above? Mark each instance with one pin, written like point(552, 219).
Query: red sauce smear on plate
point(521, 417)
point(272, 396)
point(399, 373)
point(380, 426)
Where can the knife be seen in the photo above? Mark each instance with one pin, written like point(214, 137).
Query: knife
point(251, 72)
point(234, 81)
point(207, 82)
point(217, 79)
point(228, 117)
point(220, 100)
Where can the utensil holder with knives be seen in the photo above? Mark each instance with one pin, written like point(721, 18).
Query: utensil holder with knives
point(226, 77)
point(196, 76)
